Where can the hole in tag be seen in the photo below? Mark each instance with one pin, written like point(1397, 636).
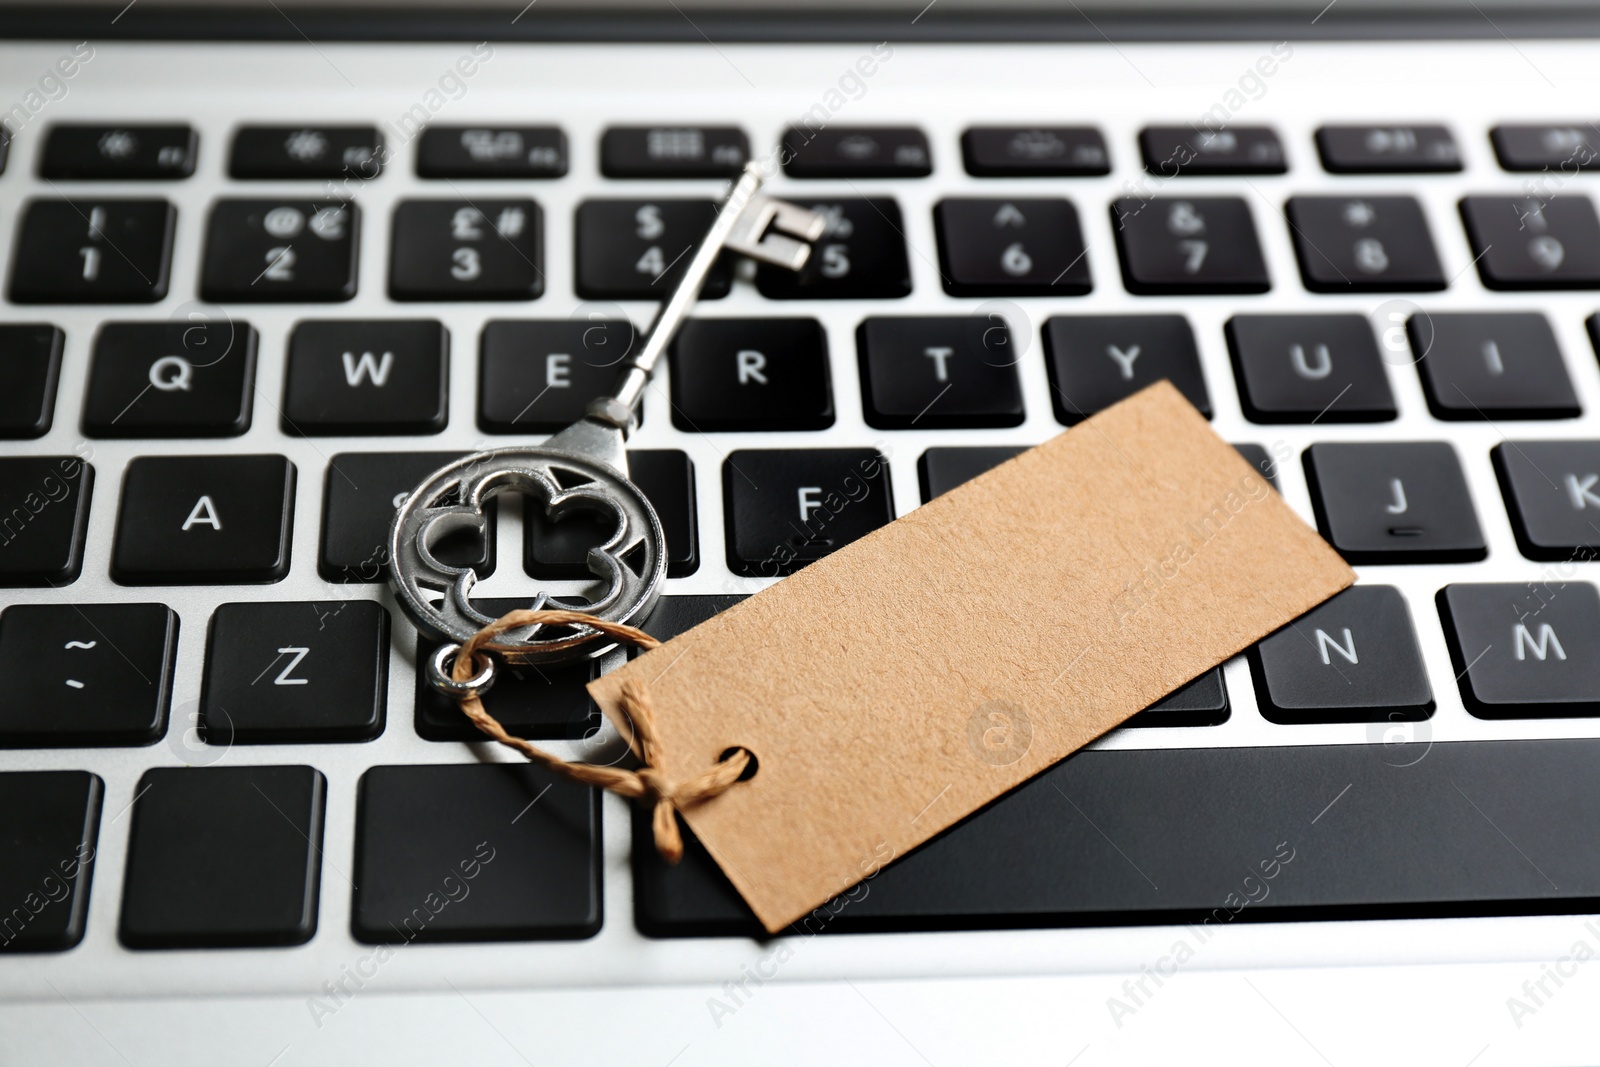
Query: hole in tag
point(750, 768)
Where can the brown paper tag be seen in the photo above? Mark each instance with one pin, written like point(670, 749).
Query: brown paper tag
point(908, 679)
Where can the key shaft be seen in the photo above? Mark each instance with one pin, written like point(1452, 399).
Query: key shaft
point(765, 229)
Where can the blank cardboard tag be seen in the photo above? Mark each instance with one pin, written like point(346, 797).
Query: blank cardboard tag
point(908, 679)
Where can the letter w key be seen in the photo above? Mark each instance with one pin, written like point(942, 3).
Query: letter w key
point(375, 370)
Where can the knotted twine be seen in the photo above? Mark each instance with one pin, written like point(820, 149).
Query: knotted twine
point(648, 783)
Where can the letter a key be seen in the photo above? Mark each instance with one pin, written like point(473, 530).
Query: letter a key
point(584, 467)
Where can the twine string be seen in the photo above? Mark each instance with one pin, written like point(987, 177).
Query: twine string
point(648, 783)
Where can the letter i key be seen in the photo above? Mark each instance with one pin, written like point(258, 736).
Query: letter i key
point(584, 467)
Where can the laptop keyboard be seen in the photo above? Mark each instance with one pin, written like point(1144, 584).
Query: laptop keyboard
point(232, 341)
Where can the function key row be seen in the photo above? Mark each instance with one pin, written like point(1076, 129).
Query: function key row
point(386, 377)
point(120, 251)
point(359, 153)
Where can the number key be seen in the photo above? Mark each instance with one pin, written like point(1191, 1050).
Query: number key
point(639, 249)
point(93, 252)
point(1011, 248)
point(1363, 244)
point(466, 250)
point(1200, 245)
point(1534, 243)
point(861, 255)
point(268, 250)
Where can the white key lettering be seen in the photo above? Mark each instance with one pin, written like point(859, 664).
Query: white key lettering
point(752, 366)
point(204, 513)
point(1345, 648)
point(1124, 359)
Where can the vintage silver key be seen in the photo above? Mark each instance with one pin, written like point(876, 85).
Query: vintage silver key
point(584, 467)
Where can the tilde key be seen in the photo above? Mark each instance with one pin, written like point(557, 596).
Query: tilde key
point(584, 467)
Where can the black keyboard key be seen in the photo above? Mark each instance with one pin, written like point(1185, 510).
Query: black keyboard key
point(30, 367)
point(1011, 248)
point(1421, 149)
point(273, 250)
point(555, 550)
point(47, 851)
point(466, 250)
point(224, 857)
point(44, 518)
point(1552, 491)
point(1262, 461)
point(356, 152)
point(296, 673)
point(940, 470)
point(118, 153)
point(938, 373)
point(181, 378)
point(1534, 243)
point(673, 151)
point(1353, 658)
point(861, 255)
point(750, 374)
point(467, 852)
point(1035, 152)
point(367, 377)
point(639, 249)
point(1363, 244)
point(1556, 147)
point(1202, 245)
point(785, 509)
point(360, 496)
point(96, 674)
point(1170, 151)
point(539, 376)
point(856, 152)
point(1256, 833)
point(1491, 366)
point(538, 702)
point(492, 152)
point(678, 614)
point(1097, 360)
point(204, 519)
point(1203, 702)
point(1393, 502)
point(93, 252)
point(1309, 368)
point(1525, 650)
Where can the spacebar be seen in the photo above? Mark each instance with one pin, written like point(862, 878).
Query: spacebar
point(1229, 835)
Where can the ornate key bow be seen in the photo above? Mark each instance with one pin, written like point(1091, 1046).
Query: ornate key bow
point(584, 467)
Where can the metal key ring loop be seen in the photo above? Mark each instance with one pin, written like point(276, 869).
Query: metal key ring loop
point(440, 678)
